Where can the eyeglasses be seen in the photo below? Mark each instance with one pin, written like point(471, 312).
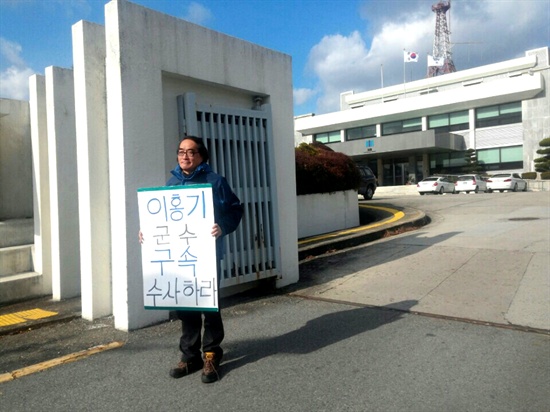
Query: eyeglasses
point(189, 153)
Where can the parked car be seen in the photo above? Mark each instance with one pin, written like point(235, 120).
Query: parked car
point(368, 182)
point(470, 183)
point(506, 181)
point(435, 184)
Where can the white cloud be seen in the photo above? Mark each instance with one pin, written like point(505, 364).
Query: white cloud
point(14, 83)
point(339, 62)
point(14, 80)
point(11, 52)
point(197, 13)
point(303, 95)
point(493, 31)
point(482, 32)
point(343, 63)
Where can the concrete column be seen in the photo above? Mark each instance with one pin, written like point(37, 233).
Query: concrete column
point(93, 169)
point(412, 170)
point(425, 165)
point(380, 176)
point(136, 151)
point(41, 181)
point(63, 183)
point(471, 144)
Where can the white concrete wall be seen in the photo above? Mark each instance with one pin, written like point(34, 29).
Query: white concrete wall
point(63, 183)
point(15, 160)
point(93, 169)
point(144, 48)
point(339, 210)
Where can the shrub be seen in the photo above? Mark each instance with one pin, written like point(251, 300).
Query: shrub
point(545, 175)
point(542, 164)
point(529, 175)
point(319, 169)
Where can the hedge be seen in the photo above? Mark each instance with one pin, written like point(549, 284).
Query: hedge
point(319, 169)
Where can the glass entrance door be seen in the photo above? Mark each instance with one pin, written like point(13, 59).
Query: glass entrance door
point(396, 172)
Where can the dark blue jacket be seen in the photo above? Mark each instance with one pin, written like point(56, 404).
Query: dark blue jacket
point(228, 209)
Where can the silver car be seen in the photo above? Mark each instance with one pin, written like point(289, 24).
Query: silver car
point(435, 184)
point(506, 181)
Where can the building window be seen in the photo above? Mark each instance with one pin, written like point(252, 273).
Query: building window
point(501, 158)
point(402, 126)
point(449, 122)
point(498, 115)
point(364, 132)
point(447, 163)
point(329, 137)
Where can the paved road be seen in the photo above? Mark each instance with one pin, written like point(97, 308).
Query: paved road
point(319, 345)
point(484, 257)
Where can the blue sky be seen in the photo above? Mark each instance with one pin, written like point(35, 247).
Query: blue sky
point(336, 45)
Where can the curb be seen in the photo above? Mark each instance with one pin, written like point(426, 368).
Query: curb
point(389, 224)
point(6, 377)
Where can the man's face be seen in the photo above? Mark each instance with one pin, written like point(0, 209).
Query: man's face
point(188, 156)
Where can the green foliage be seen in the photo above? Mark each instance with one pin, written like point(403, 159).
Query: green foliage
point(472, 165)
point(542, 164)
point(529, 175)
point(319, 169)
point(545, 175)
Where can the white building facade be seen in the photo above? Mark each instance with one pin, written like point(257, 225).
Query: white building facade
point(407, 132)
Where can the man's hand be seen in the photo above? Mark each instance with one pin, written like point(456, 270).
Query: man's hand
point(216, 230)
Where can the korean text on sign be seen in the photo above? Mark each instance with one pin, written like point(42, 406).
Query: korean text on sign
point(179, 251)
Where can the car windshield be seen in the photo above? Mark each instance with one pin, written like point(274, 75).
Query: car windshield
point(463, 178)
point(430, 179)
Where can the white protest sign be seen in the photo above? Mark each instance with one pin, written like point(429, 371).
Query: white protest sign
point(178, 252)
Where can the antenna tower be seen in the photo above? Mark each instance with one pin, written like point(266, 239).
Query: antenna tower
point(441, 49)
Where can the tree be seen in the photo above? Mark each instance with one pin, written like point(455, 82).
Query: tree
point(472, 165)
point(542, 164)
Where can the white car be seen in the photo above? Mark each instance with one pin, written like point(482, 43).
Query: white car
point(435, 184)
point(506, 181)
point(470, 183)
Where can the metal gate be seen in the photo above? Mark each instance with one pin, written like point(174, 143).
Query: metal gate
point(240, 144)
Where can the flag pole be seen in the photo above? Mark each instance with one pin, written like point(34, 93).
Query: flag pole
point(382, 81)
point(403, 67)
point(404, 79)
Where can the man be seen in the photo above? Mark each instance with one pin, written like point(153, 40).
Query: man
point(192, 168)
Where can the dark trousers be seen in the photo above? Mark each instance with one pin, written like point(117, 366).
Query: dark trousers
point(191, 328)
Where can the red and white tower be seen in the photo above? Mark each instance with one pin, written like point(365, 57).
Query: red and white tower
point(441, 50)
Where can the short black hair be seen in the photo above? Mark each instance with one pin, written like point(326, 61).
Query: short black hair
point(203, 151)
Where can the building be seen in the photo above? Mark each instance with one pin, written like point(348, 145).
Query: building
point(409, 131)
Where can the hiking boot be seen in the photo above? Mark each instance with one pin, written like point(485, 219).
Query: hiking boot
point(210, 369)
point(185, 368)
